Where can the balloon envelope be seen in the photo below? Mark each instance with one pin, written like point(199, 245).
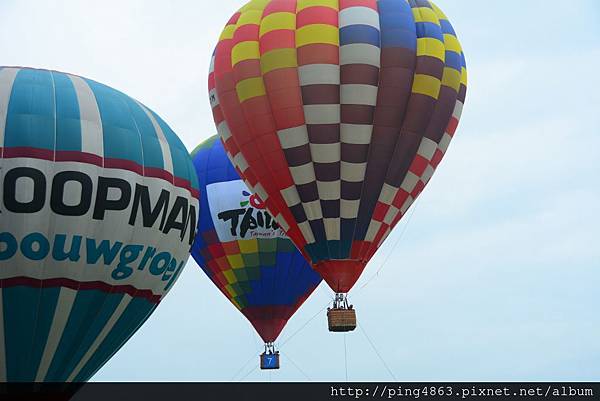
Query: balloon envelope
point(242, 249)
point(98, 210)
point(337, 113)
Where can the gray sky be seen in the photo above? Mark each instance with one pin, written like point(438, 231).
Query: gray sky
point(495, 277)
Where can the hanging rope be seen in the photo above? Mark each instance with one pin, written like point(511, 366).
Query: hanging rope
point(297, 367)
point(305, 324)
point(377, 353)
point(243, 366)
point(387, 258)
point(248, 374)
point(345, 357)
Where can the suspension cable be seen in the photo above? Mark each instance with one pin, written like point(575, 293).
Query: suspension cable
point(248, 374)
point(345, 358)
point(297, 367)
point(305, 324)
point(387, 258)
point(243, 366)
point(377, 352)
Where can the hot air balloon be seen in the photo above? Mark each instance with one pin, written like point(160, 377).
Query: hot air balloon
point(98, 211)
point(242, 249)
point(336, 113)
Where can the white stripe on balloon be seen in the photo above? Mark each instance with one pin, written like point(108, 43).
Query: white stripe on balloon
point(89, 114)
point(66, 299)
point(101, 336)
point(162, 140)
point(7, 78)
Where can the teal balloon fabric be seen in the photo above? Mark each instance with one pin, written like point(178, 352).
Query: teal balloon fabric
point(98, 210)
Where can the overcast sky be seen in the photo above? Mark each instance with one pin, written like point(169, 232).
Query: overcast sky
point(497, 274)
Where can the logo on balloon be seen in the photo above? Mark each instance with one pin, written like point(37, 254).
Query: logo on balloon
point(238, 214)
point(81, 200)
point(254, 201)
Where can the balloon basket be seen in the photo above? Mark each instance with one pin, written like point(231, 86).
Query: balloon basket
point(269, 361)
point(341, 318)
point(270, 358)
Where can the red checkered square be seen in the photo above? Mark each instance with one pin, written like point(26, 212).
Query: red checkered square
point(380, 211)
point(223, 263)
point(418, 188)
point(400, 198)
point(221, 279)
point(231, 248)
point(452, 126)
point(437, 158)
point(212, 266)
point(419, 164)
point(216, 250)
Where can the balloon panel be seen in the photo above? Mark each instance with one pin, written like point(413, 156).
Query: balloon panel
point(242, 249)
point(337, 113)
point(97, 215)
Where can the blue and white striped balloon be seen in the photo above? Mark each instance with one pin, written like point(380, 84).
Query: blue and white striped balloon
point(98, 210)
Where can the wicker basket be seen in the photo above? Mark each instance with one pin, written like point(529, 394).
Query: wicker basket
point(341, 320)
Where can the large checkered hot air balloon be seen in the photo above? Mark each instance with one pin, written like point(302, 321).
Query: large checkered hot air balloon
point(337, 113)
point(98, 211)
point(242, 249)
